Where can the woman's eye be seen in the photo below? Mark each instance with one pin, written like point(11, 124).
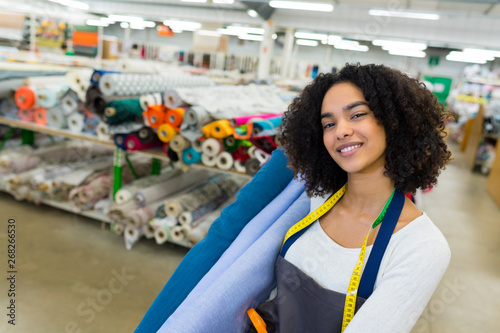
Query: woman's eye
point(328, 125)
point(358, 115)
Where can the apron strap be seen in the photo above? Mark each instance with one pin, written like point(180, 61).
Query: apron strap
point(386, 230)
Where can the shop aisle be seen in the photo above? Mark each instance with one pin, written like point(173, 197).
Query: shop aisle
point(73, 276)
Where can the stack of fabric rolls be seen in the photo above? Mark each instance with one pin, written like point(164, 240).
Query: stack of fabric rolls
point(173, 206)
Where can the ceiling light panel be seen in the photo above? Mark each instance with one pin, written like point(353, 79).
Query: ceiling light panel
point(320, 7)
point(404, 14)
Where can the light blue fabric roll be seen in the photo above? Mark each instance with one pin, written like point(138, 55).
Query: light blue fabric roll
point(252, 231)
point(271, 179)
point(246, 283)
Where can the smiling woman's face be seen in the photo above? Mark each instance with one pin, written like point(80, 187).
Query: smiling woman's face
point(352, 135)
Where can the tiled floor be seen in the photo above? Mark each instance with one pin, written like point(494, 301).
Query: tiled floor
point(65, 262)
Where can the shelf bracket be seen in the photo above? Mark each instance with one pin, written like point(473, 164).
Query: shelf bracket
point(155, 166)
point(6, 138)
point(118, 166)
point(27, 137)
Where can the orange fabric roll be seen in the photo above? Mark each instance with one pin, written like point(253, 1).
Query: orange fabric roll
point(174, 117)
point(40, 116)
point(155, 115)
point(25, 97)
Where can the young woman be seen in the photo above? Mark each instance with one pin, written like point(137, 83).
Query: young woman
point(366, 259)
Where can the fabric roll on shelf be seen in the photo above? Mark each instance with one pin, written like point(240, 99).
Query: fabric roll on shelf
point(162, 227)
point(56, 118)
point(50, 95)
point(148, 100)
point(260, 125)
point(170, 186)
point(224, 161)
point(191, 156)
point(262, 156)
point(8, 108)
point(192, 198)
point(98, 73)
point(138, 217)
point(132, 236)
point(252, 166)
point(264, 143)
point(179, 143)
point(149, 231)
point(26, 97)
point(40, 116)
point(212, 147)
point(26, 115)
point(179, 232)
point(117, 228)
point(79, 81)
point(102, 131)
point(119, 140)
point(244, 119)
point(174, 117)
point(155, 115)
point(209, 161)
point(76, 123)
point(218, 129)
point(91, 125)
point(124, 110)
point(70, 102)
point(166, 132)
point(172, 100)
point(96, 102)
point(134, 142)
point(43, 80)
point(239, 166)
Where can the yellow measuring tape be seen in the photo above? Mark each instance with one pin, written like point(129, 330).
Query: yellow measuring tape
point(352, 290)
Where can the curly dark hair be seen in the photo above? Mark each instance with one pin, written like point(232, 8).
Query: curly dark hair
point(412, 117)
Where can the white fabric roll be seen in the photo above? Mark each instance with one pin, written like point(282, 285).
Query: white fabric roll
point(103, 131)
point(212, 147)
point(209, 161)
point(79, 81)
point(224, 161)
point(76, 122)
point(239, 166)
point(56, 118)
point(132, 235)
point(179, 233)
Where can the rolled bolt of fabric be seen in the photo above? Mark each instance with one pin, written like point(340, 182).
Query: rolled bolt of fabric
point(252, 166)
point(121, 111)
point(147, 135)
point(70, 102)
point(179, 143)
point(155, 115)
point(91, 125)
point(224, 161)
point(148, 100)
point(195, 116)
point(76, 122)
point(8, 108)
point(212, 147)
point(230, 143)
point(148, 230)
point(26, 97)
point(132, 236)
point(49, 96)
point(239, 166)
point(56, 118)
point(26, 115)
point(103, 131)
point(132, 142)
point(191, 156)
point(40, 116)
point(174, 117)
point(244, 119)
point(179, 233)
point(173, 100)
point(166, 132)
point(218, 129)
point(251, 199)
point(241, 154)
point(162, 234)
point(209, 161)
point(119, 140)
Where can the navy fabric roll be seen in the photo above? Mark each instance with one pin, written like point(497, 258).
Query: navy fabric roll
point(271, 179)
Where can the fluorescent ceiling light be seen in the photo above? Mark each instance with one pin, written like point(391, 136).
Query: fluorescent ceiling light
point(137, 26)
point(208, 33)
point(182, 25)
point(125, 18)
point(274, 36)
point(483, 53)
point(194, 0)
point(225, 2)
point(332, 40)
point(252, 13)
point(73, 4)
point(107, 20)
point(389, 44)
point(251, 37)
point(408, 53)
point(124, 25)
point(350, 45)
point(308, 35)
point(414, 15)
point(307, 42)
point(96, 23)
point(149, 24)
point(468, 57)
point(320, 7)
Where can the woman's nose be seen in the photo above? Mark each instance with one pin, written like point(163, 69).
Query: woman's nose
point(344, 130)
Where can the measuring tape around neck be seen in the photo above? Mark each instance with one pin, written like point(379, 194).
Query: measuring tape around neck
point(298, 228)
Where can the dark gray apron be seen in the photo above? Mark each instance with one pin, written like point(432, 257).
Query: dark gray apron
point(302, 305)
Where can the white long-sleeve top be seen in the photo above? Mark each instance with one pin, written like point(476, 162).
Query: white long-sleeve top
point(415, 260)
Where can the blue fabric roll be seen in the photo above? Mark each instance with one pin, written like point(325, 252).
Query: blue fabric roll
point(252, 231)
point(244, 284)
point(271, 179)
point(191, 156)
point(96, 76)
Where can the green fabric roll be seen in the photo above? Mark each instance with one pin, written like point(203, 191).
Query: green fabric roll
point(230, 143)
point(122, 110)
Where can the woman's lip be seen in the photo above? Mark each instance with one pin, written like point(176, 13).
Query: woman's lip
point(351, 151)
